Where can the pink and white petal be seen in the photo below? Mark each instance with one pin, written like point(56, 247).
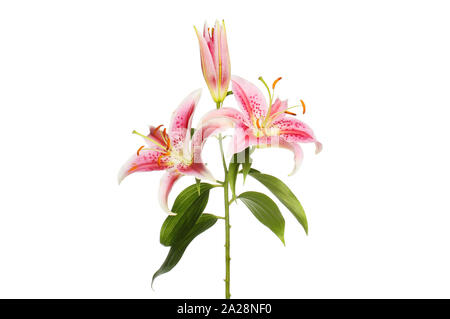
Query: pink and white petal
point(166, 184)
point(298, 153)
point(293, 130)
point(242, 138)
point(319, 147)
point(155, 135)
point(224, 56)
point(207, 61)
point(249, 97)
point(234, 115)
point(146, 161)
point(198, 170)
point(180, 124)
point(206, 129)
point(208, 39)
point(278, 108)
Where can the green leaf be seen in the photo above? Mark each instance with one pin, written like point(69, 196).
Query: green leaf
point(197, 182)
point(284, 194)
point(247, 164)
point(177, 250)
point(233, 169)
point(188, 206)
point(265, 210)
point(192, 131)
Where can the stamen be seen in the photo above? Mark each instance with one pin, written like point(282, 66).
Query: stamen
point(133, 168)
point(166, 139)
point(148, 138)
point(158, 127)
point(275, 82)
point(257, 123)
point(304, 106)
point(159, 159)
point(291, 113)
point(140, 149)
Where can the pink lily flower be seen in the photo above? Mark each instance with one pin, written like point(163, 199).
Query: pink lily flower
point(215, 60)
point(170, 151)
point(262, 126)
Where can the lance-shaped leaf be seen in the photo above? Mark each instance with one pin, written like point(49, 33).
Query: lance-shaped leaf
point(247, 164)
point(284, 194)
point(265, 210)
point(233, 170)
point(188, 207)
point(177, 250)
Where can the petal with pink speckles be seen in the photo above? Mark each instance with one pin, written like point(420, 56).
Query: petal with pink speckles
point(278, 108)
point(293, 130)
point(249, 97)
point(146, 161)
point(180, 124)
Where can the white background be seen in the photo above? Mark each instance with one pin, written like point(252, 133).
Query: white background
point(76, 77)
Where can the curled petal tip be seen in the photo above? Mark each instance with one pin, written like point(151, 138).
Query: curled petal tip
point(319, 147)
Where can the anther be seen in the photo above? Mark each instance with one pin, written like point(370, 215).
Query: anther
point(140, 149)
point(275, 82)
point(291, 113)
point(133, 168)
point(158, 127)
point(304, 106)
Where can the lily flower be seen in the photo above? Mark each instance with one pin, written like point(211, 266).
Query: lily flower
point(215, 60)
point(170, 151)
point(263, 126)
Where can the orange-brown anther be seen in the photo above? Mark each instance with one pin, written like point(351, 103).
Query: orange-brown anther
point(275, 82)
point(133, 168)
point(140, 148)
point(304, 106)
point(291, 113)
point(159, 159)
point(157, 128)
point(257, 123)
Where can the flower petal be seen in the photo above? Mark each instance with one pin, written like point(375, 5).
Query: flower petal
point(206, 129)
point(298, 153)
point(180, 124)
point(237, 117)
point(293, 130)
point(198, 170)
point(278, 108)
point(249, 97)
point(156, 138)
point(207, 61)
point(146, 161)
point(166, 184)
point(224, 60)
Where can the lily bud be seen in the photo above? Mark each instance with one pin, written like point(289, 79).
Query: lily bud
point(215, 60)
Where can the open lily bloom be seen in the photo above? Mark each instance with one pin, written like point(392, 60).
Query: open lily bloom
point(263, 126)
point(171, 151)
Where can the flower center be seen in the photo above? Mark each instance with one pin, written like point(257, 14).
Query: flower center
point(262, 128)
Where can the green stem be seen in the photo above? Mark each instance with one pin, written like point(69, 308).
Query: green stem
point(227, 219)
